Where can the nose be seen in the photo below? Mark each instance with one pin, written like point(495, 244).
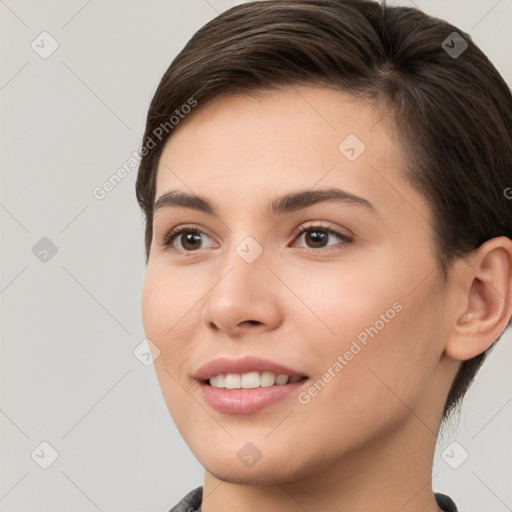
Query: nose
point(245, 297)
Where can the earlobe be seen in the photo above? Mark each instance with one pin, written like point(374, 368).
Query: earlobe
point(488, 297)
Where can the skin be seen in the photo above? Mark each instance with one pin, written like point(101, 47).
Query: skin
point(366, 441)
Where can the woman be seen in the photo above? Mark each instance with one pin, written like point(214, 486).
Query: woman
point(329, 249)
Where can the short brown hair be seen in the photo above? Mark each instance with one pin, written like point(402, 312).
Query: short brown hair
point(452, 111)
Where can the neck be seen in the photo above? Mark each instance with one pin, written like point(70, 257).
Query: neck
point(393, 474)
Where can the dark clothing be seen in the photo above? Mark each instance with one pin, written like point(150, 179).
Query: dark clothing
point(192, 502)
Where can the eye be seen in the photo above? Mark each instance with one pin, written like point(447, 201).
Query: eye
point(317, 237)
point(189, 238)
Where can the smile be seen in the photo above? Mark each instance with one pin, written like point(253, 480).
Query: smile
point(251, 380)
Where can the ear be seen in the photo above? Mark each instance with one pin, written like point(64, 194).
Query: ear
point(486, 299)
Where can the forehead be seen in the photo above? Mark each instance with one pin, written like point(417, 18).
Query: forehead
point(241, 148)
point(305, 120)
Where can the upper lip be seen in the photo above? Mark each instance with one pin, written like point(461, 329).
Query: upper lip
point(224, 365)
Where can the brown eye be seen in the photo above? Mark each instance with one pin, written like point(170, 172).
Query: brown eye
point(190, 240)
point(317, 237)
point(185, 239)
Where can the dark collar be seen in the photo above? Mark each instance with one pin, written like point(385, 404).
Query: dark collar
point(192, 502)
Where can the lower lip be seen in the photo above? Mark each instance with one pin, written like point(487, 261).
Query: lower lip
point(247, 401)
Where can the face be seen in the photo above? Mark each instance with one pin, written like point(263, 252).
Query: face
point(342, 290)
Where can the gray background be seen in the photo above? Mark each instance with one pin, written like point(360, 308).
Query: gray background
point(70, 324)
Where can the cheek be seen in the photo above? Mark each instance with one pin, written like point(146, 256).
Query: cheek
point(155, 305)
point(167, 315)
point(166, 300)
point(386, 330)
point(346, 301)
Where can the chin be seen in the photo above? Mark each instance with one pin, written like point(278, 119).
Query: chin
point(244, 464)
point(263, 473)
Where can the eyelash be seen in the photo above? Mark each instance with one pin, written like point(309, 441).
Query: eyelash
point(175, 233)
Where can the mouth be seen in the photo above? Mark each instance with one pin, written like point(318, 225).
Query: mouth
point(247, 385)
point(252, 380)
point(246, 373)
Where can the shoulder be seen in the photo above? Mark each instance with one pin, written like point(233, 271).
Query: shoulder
point(445, 503)
point(191, 502)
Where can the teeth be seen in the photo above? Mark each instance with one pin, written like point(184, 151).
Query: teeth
point(250, 380)
point(267, 379)
point(281, 379)
point(233, 381)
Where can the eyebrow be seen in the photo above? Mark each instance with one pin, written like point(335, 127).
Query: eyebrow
point(282, 204)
